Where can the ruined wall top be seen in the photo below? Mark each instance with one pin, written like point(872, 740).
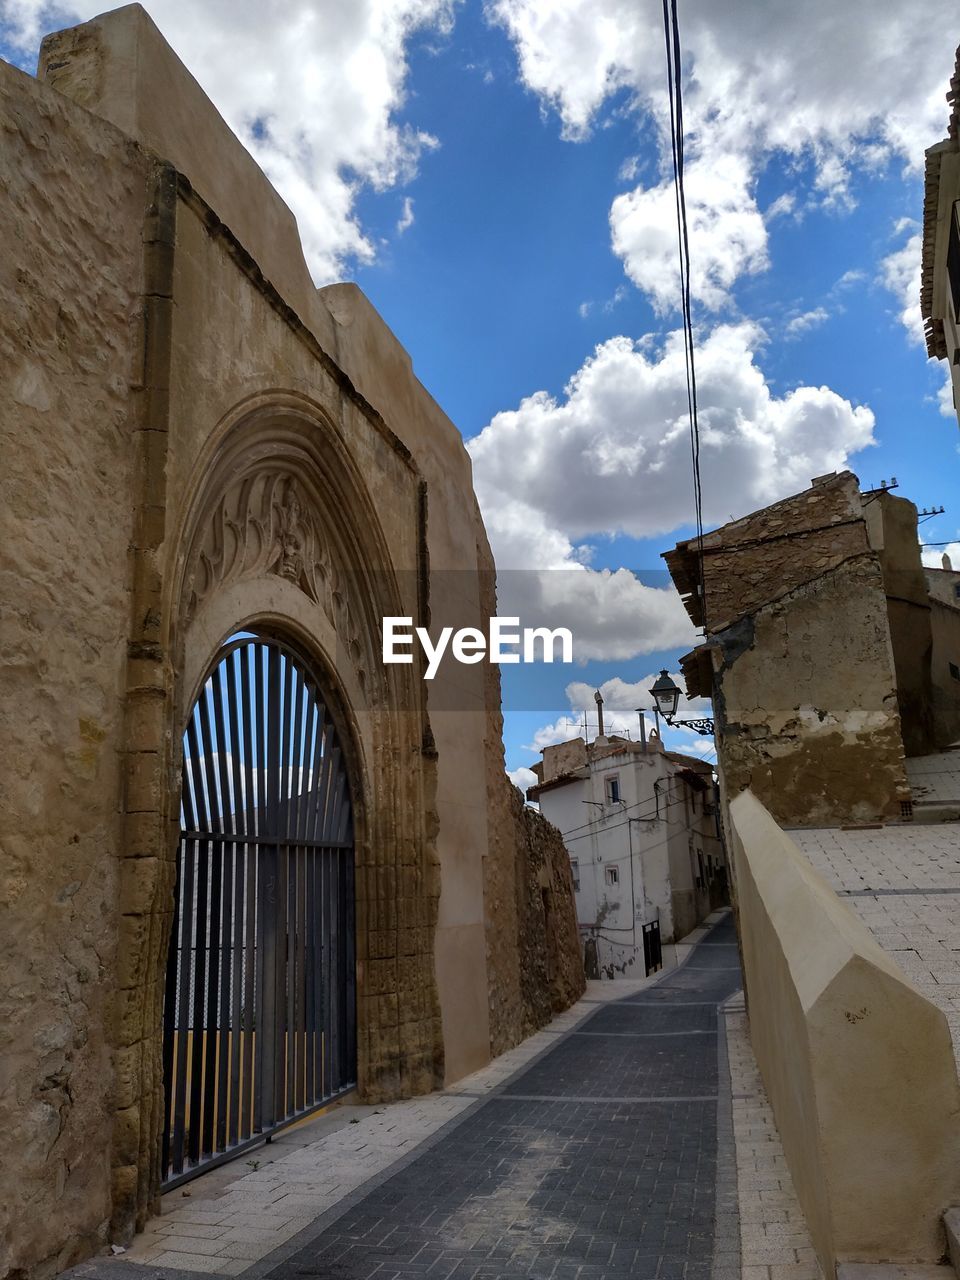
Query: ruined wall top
point(754, 560)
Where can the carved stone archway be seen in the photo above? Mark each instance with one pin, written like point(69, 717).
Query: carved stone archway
point(280, 532)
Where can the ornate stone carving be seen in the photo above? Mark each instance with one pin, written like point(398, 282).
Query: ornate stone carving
point(263, 525)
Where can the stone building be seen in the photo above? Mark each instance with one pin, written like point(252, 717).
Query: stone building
point(640, 825)
point(940, 266)
point(217, 481)
point(819, 652)
point(943, 594)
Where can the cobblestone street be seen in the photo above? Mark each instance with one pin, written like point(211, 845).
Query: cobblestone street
point(609, 1154)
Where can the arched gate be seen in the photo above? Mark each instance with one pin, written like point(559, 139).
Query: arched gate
point(260, 1004)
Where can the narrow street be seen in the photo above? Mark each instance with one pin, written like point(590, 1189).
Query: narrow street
point(600, 1159)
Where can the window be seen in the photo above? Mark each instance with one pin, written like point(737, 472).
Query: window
point(956, 590)
point(612, 875)
point(575, 868)
point(955, 671)
point(613, 789)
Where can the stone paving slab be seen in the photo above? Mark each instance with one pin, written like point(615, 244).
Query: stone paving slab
point(512, 1173)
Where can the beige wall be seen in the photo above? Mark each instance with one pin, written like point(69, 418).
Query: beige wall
point(70, 340)
point(807, 703)
point(858, 1065)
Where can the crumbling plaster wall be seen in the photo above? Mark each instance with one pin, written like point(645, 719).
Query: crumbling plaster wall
point(892, 531)
point(70, 348)
point(807, 703)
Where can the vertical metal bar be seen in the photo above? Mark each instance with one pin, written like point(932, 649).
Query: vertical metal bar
point(311, 966)
point(237, 920)
point(272, 900)
point(316, 832)
point(228, 854)
point(198, 747)
point(328, 987)
point(350, 976)
point(333, 965)
point(250, 1006)
point(185, 968)
point(289, 788)
point(214, 909)
point(300, 991)
point(263, 930)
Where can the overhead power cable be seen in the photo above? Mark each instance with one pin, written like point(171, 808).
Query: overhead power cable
point(671, 32)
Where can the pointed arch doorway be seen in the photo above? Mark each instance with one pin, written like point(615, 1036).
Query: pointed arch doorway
point(260, 997)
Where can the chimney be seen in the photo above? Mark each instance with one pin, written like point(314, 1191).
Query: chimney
point(598, 698)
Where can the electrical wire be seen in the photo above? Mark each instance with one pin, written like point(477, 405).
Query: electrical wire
point(616, 826)
point(671, 32)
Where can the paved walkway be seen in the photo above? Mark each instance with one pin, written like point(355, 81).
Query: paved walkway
point(609, 1155)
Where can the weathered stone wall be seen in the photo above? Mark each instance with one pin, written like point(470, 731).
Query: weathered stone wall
point(752, 561)
point(533, 944)
point(70, 352)
point(806, 703)
point(892, 530)
point(534, 963)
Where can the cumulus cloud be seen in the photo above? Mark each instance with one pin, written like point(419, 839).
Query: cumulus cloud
point(522, 778)
point(612, 454)
point(726, 228)
point(813, 83)
point(900, 273)
point(800, 324)
point(317, 103)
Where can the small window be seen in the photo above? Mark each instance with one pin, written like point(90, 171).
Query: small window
point(613, 789)
point(955, 671)
point(575, 868)
point(612, 875)
point(956, 590)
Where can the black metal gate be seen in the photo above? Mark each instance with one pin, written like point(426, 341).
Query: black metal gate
point(652, 950)
point(260, 1006)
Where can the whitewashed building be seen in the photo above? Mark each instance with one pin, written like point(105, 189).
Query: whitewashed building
point(640, 825)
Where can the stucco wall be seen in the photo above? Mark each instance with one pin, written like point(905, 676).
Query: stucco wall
point(807, 702)
point(858, 1065)
point(69, 347)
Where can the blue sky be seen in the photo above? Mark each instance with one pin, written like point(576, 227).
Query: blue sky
point(491, 175)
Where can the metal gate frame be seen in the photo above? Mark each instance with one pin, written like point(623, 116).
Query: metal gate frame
point(260, 1001)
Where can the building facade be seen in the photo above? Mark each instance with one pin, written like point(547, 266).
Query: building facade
point(222, 811)
point(640, 826)
point(940, 266)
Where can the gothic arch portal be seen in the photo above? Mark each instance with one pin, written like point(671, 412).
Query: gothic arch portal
point(280, 536)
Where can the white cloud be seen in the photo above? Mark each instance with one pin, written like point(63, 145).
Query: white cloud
point(522, 778)
point(805, 321)
point(818, 82)
point(900, 273)
point(613, 453)
point(945, 394)
point(312, 91)
point(727, 233)
point(932, 557)
point(406, 217)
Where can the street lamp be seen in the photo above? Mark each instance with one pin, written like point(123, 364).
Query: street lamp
point(666, 695)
